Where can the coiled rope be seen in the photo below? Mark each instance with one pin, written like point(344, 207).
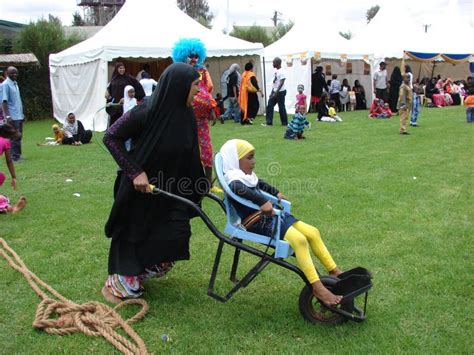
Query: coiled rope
point(91, 318)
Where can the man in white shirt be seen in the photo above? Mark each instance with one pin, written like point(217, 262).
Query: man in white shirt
point(277, 96)
point(148, 84)
point(381, 82)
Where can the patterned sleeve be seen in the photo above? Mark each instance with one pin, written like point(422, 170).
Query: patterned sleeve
point(122, 130)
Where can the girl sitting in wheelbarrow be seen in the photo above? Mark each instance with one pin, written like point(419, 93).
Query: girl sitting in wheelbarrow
point(238, 157)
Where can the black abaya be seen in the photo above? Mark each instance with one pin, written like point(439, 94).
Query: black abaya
point(149, 229)
point(115, 89)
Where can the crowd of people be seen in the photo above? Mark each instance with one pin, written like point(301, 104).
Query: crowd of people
point(343, 96)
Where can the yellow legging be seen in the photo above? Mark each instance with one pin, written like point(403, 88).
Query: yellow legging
point(299, 235)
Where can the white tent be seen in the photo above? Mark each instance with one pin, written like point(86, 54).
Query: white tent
point(298, 49)
point(141, 29)
point(395, 30)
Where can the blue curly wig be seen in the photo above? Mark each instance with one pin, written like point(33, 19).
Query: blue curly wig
point(187, 46)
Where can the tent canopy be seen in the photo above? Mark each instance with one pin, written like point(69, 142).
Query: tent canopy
point(297, 49)
point(141, 29)
point(394, 31)
point(149, 29)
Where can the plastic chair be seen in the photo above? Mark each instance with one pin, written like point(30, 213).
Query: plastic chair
point(234, 227)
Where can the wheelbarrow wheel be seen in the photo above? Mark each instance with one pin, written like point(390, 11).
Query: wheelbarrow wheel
point(315, 311)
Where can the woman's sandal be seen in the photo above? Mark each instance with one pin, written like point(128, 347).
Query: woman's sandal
point(109, 296)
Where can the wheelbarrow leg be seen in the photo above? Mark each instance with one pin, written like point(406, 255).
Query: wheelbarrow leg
point(215, 268)
point(235, 264)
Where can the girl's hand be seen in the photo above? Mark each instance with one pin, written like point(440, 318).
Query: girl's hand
point(141, 183)
point(267, 209)
point(280, 197)
point(14, 183)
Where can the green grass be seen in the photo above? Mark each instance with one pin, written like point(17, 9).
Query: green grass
point(353, 180)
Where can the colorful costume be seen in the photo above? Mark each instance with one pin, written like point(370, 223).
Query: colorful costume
point(203, 102)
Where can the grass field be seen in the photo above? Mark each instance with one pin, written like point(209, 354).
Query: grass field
point(401, 206)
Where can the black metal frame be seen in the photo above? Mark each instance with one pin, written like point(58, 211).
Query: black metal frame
point(265, 259)
point(239, 246)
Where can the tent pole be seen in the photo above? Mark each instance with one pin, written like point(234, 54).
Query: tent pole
point(432, 70)
point(264, 86)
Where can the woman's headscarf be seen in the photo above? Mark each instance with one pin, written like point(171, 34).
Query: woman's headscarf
point(119, 81)
point(70, 129)
point(396, 78)
point(235, 68)
point(231, 152)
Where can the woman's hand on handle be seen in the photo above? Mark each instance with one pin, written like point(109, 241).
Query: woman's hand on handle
point(141, 184)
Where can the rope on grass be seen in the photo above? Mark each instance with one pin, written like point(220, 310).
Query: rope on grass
point(66, 317)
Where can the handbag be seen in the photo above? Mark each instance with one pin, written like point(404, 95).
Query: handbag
point(250, 88)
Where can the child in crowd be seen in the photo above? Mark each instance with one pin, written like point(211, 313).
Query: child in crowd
point(386, 110)
point(58, 137)
point(405, 103)
point(238, 157)
point(7, 132)
point(332, 112)
point(219, 109)
point(469, 103)
point(379, 109)
point(129, 100)
point(298, 123)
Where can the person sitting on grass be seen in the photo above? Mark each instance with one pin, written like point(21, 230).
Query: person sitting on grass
point(7, 132)
point(327, 111)
point(238, 157)
point(332, 113)
point(74, 131)
point(379, 109)
point(58, 137)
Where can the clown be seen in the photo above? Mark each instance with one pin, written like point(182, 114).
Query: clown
point(193, 52)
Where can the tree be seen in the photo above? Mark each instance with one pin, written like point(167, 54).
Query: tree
point(6, 45)
point(347, 35)
point(41, 38)
point(281, 29)
point(370, 14)
point(198, 10)
point(77, 19)
point(254, 34)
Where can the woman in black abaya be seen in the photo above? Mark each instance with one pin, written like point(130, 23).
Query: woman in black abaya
point(114, 92)
point(150, 232)
point(395, 82)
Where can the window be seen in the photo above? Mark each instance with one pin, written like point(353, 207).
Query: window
point(348, 68)
point(366, 69)
point(328, 70)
